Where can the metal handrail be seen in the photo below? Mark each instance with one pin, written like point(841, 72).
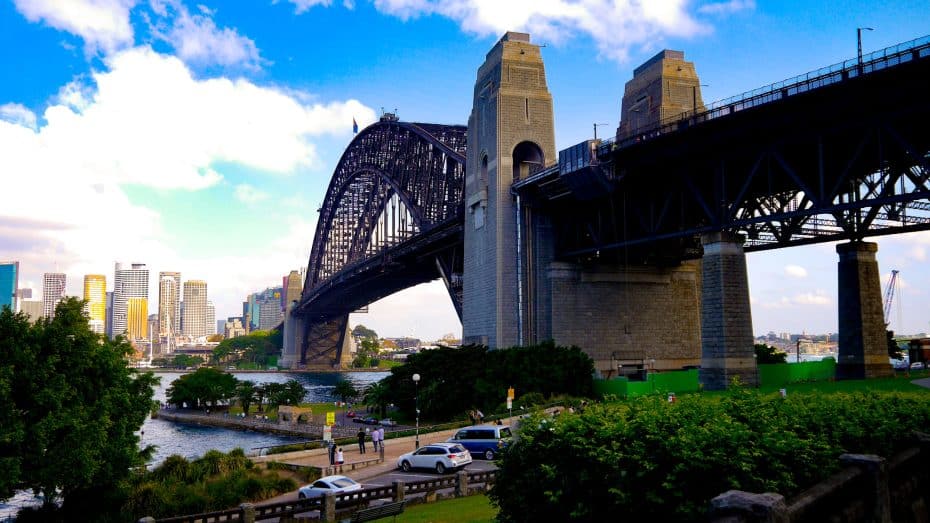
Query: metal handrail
point(875, 61)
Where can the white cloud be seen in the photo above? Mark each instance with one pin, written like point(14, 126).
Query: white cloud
point(103, 24)
point(812, 298)
point(248, 194)
point(918, 252)
point(725, 8)
point(197, 39)
point(146, 121)
point(302, 6)
point(616, 26)
point(18, 114)
point(795, 271)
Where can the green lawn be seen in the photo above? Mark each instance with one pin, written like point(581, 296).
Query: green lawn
point(468, 509)
point(900, 382)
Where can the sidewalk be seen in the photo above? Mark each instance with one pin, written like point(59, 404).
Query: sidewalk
point(393, 449)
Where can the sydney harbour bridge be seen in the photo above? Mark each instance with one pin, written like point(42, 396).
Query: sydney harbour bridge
point(632, 248)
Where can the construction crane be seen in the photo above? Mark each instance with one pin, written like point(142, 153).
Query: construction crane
point(889, 294)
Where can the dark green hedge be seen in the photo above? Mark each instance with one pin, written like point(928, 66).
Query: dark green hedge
point(650, 460)
point(453, 381)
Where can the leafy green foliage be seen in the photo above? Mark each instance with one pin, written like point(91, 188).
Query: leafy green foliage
point(377, 395)
point(259, 349)
point(453, 381)
point(69, 411)
point(203, 387)
point(894, 351)
point(213, 482)
point(345, 391)
point(183, 361)
point(361, 331)
point(650, 460)
point(367, 353)
point(768, 354)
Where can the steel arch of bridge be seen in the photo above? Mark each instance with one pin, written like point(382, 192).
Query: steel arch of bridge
point(395, 182)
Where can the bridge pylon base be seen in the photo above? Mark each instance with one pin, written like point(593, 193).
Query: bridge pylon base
point(863, 346)
point(727, 350)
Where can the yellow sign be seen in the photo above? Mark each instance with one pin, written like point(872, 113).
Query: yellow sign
point(510, 394)
point(330, 418)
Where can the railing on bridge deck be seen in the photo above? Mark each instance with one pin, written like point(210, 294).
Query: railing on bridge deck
point(875, 61)
point(345, 503)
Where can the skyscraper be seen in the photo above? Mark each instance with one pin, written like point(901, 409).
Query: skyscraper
point(132, 282)
point(137, 318)
point(211, 318)
point(53, 291)
point(169, 303)
point(195, 308)
point(95, 296)
point(9, 282)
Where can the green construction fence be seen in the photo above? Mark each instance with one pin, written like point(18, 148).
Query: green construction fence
point(770, 375)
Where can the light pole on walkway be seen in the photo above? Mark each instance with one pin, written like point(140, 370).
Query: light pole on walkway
point(416, 384)
point(859, 45)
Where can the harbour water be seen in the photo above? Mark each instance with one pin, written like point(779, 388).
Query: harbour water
point(192, 441)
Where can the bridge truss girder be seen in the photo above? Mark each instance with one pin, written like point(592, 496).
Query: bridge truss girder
point(783, 174)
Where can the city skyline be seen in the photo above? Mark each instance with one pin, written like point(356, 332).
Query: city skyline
point(200, 138)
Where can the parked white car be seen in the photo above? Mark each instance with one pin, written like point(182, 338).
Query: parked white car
point(388, 422)
point(441, 457)
point(334, 484)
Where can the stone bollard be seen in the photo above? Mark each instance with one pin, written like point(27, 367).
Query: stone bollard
point(461, 484)
point(877, 469)
point(736, 506)
point(248, 512)
point(398, 490)
point(328, 508)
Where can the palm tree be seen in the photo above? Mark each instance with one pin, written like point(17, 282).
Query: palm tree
point(245, 393)
point(345, 391)
point(378, 395)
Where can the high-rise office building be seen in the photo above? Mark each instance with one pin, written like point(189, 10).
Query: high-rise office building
point(137, 318)
point(195, 308)
point(53, 291)
point(95, 298)
point(31, 308)
point(24, 294)
point(129, 282)
point(211, 318)
point(9, 283)
point(109, 325)
point(169, 303)
point(268, 303)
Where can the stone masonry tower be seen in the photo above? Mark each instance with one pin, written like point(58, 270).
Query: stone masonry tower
point(664, 87)
point(510, 135)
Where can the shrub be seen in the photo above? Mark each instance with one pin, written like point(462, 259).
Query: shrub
point(651, 460)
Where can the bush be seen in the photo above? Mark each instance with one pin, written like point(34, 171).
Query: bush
point(651, 460)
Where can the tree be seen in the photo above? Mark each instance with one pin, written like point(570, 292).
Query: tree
point(768, 354)
point(894, 351)
point(245, 394)
point(367, 350)
point(76, 409)
point(377, 395)
point(206, 386)
point(361, 331)
point(183, 361)
point(345, 391)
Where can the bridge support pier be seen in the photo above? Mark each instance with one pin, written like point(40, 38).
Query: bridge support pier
point(294, 329)
point(863, 350)
point(726, 319)
point(628, 319)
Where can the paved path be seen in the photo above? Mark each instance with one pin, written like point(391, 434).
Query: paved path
point(923, 382)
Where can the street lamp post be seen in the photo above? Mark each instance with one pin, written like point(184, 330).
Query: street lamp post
point(416, 383)
point(859, 44)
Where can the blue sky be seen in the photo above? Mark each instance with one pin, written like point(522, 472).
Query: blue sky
point(200, 137)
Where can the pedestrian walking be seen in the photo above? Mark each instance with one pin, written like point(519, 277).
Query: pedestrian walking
point(340, 458)
point(361, 441)
point(374, 440)
point(381, 438)
point(332, 452)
